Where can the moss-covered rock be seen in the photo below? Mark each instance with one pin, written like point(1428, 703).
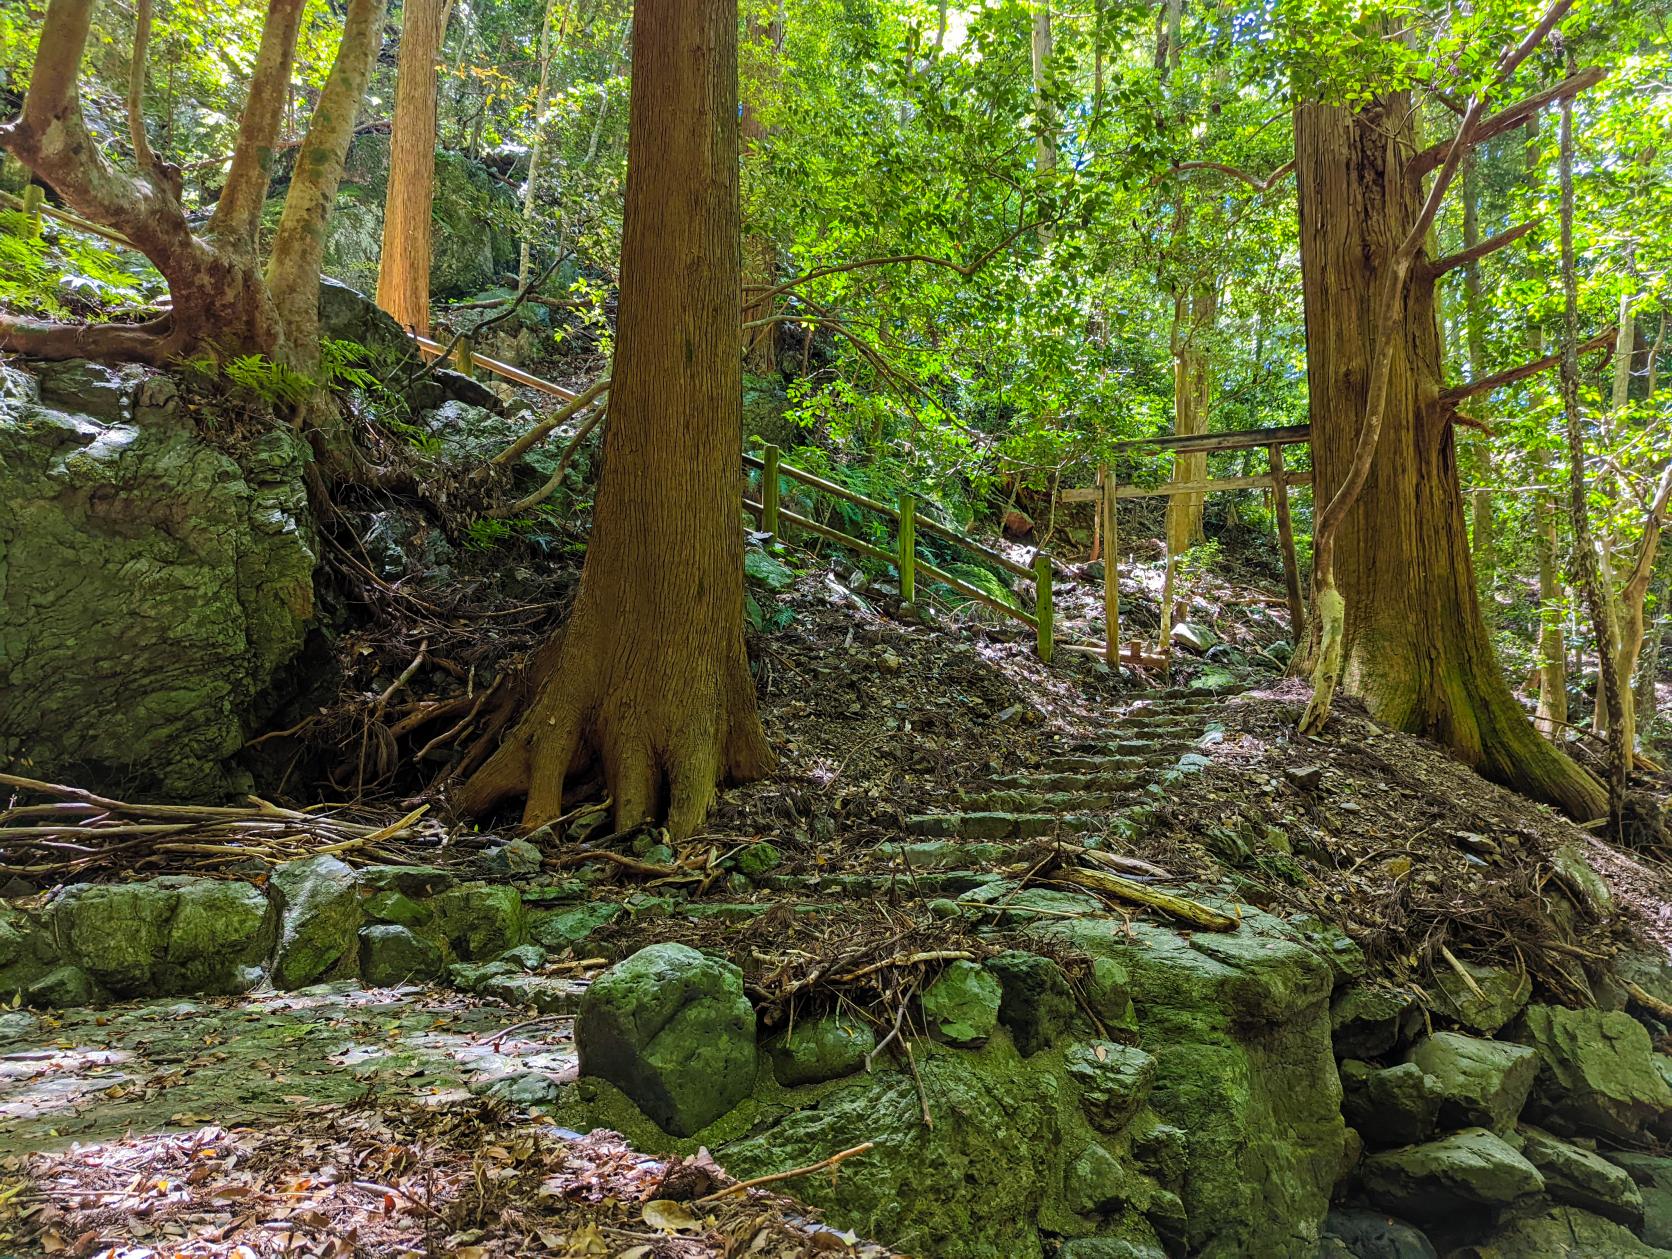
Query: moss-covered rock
point(1582, 1178)
point(970, 1187)
point(1442, 1181)
point(816, 1050)
point(1494, 997)
point(391, 955)
point(218, 939)
point(1597, 1072)
point(962, 1005)
point(672, 1029)
point(152, 584)
point(318, 904)
point(1392, 1105)
point(1481, 1082)
point(570, 926)
point(1114, 1081)
point(480, 920)
point(1562, 1233)
point(1038, 1005)
point(1238, 1025)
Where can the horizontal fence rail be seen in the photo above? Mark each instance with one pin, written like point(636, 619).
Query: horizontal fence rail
point(908, 523)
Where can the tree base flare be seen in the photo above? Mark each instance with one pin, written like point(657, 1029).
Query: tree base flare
point(664, 723)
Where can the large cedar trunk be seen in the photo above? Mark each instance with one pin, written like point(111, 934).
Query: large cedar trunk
point(650, 676)
point(403, 267)
point(1415, 650)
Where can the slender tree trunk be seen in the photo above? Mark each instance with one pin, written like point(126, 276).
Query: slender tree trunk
point(537, 147)
point(403, 267)
point(1587, 577)
point(1644, 698)
point(760, 251)
point(1480, 498)
point(650, 676)
point(1193, 324)
point(1552, 713)
point(1408, 631)
point(1045, 125)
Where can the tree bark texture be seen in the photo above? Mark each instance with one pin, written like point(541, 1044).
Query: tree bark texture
point(650, 678)
point(1474, 339)
point(1192, 390)
point(1412, 643)
point(403, 266)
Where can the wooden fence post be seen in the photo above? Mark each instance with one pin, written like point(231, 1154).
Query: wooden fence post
point(1111, 567)
point(1042, 609)
point(769, 491)
point(1286, 542)
point(33, 196)
point(907, 562)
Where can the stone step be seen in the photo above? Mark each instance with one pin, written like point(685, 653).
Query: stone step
point(992, 826)
point(1099, 781)
point(1075, 799)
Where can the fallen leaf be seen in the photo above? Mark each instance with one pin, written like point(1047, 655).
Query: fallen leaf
point(670, 1216)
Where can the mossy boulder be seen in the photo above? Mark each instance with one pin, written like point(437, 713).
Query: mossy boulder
point(1390, 1105)
point(961, 1007)
point(1597, 1073)
point(1114, 1081)
point(1481, 1082)
point(1561, 1232)
point(155, 583)
point(1489, 999)
point(1441, 1182)
point(1038, 1005)
point(1582, 1178)
point(672, 1029)
point(970, 1187)
point(480, 920)
point(820, 1049)
point(391, 955)
point(1238, 1024)
point(318, 904)
point(218, 939)
point(570, 926)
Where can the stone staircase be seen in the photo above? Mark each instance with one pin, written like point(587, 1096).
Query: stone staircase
point(1082, 786)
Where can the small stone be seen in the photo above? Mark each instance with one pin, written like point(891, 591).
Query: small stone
point(218, 938)
point(672, 1030)
point(1582, 1178)
point(1193, 637)
point(1114, 1080)
point(888, 662)
point(515, 859)
point(391, 955)
point(1095, 1181)
point(765, 571)
point(318, 901)
point(822, 1049)
point(524, 1089)
point(545, 994)
point(1597, 1072)
point(65, 988)
point(1374, 1235)
point(1038, 1004)
point(116, 932)
point(962, 1006)
point(1584, 886)
point(1305, 777)
point(757, 859)
point(1390, 1106)
point(526, 957)
point(476, 976)
point(1501, 995)
point(1482, 1082)
point(1443, 1179)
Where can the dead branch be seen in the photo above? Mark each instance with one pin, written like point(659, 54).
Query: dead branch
point(1509, 376)
point(1512, 116)
point(1253, 181)
point(1439, 266)
point(556, 479)
point(793, 1174)
point(517, 449)
point(1178, 907)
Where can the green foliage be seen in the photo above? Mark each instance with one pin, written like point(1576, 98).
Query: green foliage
point(62, 273)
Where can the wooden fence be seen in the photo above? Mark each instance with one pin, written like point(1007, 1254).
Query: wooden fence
point(908, 523)
point(1108, 491)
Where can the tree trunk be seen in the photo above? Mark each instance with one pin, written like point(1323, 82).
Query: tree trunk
point(1412, 642)
point(650, 676)
point(1551, 717)
point(403, 268)
point(537, 147)
point(1193, 324)
point(760, 252)
point(1480, 498)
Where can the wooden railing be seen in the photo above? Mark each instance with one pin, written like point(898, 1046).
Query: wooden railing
point(908, 523)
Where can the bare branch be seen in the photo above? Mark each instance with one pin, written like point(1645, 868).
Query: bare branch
point(1456, 394)
point(1475, 253)
point(238, 211)
point(1253, 181)
point(1509, 118)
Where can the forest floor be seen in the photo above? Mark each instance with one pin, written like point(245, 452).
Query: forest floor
point(338, 1121)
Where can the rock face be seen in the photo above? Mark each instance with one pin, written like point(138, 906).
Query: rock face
point(1579, 1177)
point(672, 1030)
point(318, 901)
point(962, 1005)
point(1391, 1105)
point(474, 222)
point(1239, 1028)
point(152, 583)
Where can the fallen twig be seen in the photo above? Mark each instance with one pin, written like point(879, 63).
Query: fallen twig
point(793, 1174)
